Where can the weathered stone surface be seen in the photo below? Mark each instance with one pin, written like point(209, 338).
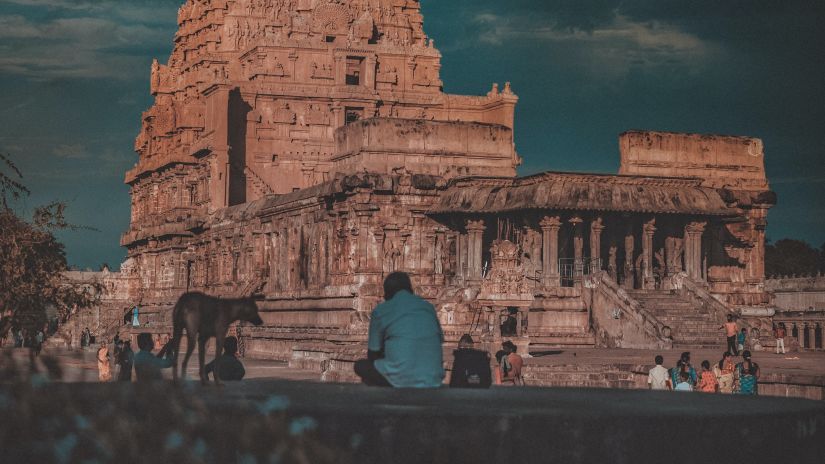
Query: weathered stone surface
point(300, 151)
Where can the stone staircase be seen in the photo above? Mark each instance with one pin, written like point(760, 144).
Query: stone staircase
point(692, 326)
point(580, 376)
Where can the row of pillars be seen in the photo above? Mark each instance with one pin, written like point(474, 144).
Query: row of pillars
point(550, 227)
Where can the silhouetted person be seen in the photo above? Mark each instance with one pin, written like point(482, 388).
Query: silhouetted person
point(230, 368)
point(125, 359)
point(471, 367)
point(509, 323)
point(405, 339)
point(147, 365)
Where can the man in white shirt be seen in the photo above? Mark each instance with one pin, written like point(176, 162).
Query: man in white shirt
point(658, 378)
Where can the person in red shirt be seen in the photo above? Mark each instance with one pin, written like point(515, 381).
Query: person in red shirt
point(779, 333)
point(707, 381)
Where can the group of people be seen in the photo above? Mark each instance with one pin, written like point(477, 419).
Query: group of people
point(723, 377)
point(148, 366)
point(405, 347)
point(24, 338)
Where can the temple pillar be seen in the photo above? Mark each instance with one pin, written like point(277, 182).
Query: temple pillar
point(578, 248)
point(475, 231)
point(649, 229)
point(550, 251)
point(693, 249)
point(461, 249)
point(811, 328)
point(629, 251)
point(596, 229)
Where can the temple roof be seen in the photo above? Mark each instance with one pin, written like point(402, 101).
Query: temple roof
point(584, 192)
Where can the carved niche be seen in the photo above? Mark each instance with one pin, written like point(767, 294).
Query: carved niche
point(331, 18)
point(322, 71)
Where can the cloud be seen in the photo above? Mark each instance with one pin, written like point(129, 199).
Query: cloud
point(613, 47)
point(103, 39)
point(73, 151)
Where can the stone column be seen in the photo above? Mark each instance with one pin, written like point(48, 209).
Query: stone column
point(550, 250)
point(811, 336)
point(461, 260)
point(578, 248)
point(649, 230)
point(475, 230)
point(629, 263)
point(693, 249)
point(596, 229)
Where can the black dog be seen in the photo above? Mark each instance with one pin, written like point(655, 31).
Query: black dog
point(204, 317)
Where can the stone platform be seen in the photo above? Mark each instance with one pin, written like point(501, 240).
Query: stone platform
point(533, 425)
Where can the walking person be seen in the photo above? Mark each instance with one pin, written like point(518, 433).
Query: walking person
point(104, 370)
point(125, 360)
point(724, 374)
point(779, 333)
point(747, 375)
point(39, 338)
point(742, 339)
point(731, 331)
point(658, 377)
point(405, 337)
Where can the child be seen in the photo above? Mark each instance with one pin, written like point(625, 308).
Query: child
point(741, 339)
point(685, 384)
point(708, 382)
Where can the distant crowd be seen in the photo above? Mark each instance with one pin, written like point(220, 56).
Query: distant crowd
point(723, 377)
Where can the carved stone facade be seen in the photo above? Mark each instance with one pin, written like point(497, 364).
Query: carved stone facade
point(301, 150)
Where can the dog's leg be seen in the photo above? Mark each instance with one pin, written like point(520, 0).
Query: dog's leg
point(201, 358)
point(190, 347)
point(218, 351)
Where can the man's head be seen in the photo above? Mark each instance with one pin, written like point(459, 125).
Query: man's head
point(230, 346)
point(659, 360)
point(730, 318)
point(145, 341)
point(509, 347)
point(744, 330)
point(466, 341)
point(396, 282)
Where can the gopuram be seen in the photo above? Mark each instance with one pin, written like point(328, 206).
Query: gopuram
point(300, 150)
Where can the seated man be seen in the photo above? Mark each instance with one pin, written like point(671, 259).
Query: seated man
point(405, 339)
point(147, 365)
point(471, 367)
point(230, 367)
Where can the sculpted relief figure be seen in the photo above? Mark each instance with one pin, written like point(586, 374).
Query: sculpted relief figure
point(283, 114)
point(387, 74)
point(438, 255)
point(322, 71)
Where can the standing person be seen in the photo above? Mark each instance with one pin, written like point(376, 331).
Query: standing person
point(724, 373)
point(730, 332)
point(684, 383)
point(510, 365)
point(38, 342)
point(747, 375)
point(707, 380)
point(135, 318)
point(404, 348)
point(683, 366)
point(658, 378)
point(742, 339)
point(104, 370)
point(779, 333)
point(84, 339)
point(147, 365)
point(125, 360)
point(471, 367)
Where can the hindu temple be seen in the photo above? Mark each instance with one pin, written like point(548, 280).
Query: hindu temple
point(300, 150)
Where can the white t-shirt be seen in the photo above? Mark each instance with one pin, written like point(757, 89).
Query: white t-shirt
point(657, 378)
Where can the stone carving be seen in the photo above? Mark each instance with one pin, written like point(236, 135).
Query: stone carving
point(317, 115)
point(322, 71)
point(506, 276)
point(387, 74)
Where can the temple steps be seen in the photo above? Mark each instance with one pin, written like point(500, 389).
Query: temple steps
point(691, 325)
point(579, 376)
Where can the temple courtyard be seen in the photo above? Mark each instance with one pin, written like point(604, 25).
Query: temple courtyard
point(799, 374)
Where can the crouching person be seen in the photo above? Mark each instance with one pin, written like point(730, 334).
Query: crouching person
point(229, 366)
point(404, 349)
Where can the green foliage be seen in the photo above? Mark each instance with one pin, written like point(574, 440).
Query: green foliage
point(792, 257)
point(32, 260)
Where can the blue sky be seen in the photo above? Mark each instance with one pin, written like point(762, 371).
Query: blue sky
point(75, 77)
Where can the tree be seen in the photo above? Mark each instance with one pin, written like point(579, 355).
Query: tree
point(791, 257)
point(32, 260)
